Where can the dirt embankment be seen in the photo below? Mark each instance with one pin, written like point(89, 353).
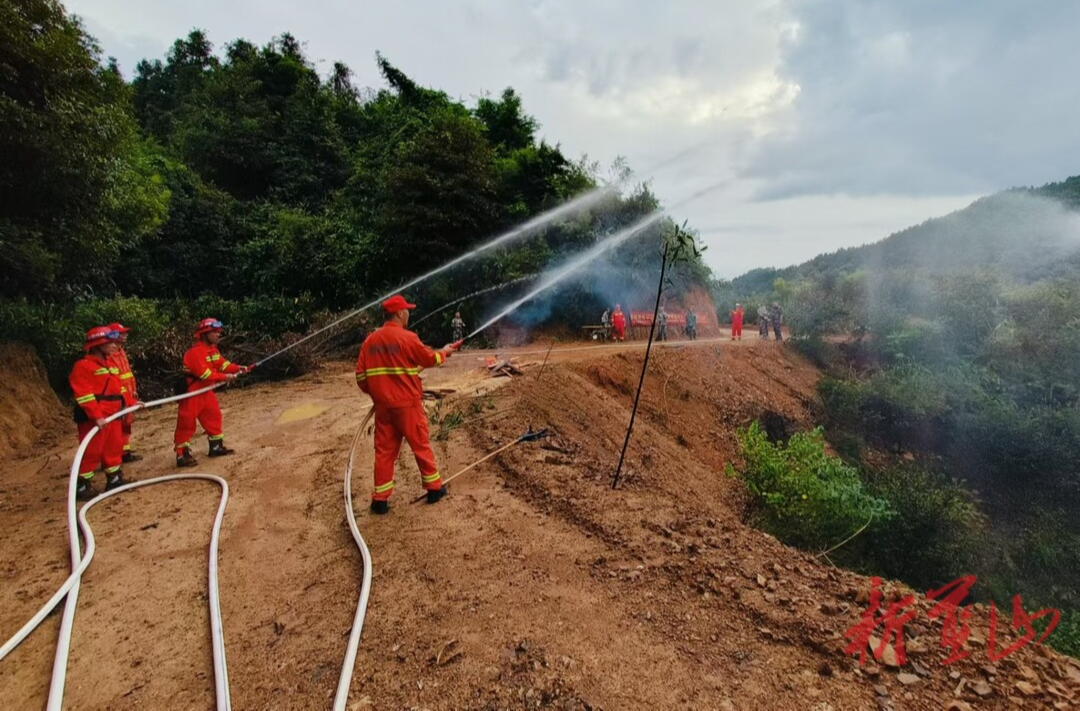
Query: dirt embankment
point(533, 585)
point(29, 409)
point(729, 616)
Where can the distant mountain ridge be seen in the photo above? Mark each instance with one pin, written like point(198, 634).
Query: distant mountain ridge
point(1026, 233)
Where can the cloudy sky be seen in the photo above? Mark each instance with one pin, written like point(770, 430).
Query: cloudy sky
point(830, 123)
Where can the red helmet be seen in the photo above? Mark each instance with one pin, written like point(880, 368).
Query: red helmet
point(99, 336)
point(207, 325)
point(118, 327)
point(396, 303)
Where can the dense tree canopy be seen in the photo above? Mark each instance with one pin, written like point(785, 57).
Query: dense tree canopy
point(239, 176)
point(76, 182)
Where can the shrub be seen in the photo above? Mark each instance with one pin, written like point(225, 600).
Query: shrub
point(902, 407)
point(161, 332)
point(800, 493)
point(1066, 638)
point(936, 535)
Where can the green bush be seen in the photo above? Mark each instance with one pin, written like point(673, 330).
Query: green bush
point(800, 493)
point(1066, 638)
point(936, 535)
point(902, 407)
point(161, 330)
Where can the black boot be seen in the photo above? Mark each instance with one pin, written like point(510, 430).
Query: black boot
point(83, 490)
point(187, 459)
point(114, 480)
point(218, 448)
point(435, 495)
point(380, 507)
point(130, 456)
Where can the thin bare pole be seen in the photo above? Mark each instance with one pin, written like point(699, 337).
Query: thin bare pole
point(644, 367)
point(544, 364)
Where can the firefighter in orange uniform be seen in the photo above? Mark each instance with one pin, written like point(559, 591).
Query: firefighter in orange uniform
point(203, 366)
point(95, 382)
point(388, 370)
point(618, 323)
point(127, 381)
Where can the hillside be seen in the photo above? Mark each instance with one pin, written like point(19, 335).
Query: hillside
point(533, 585)
point(1025, 233)
point(950, 350)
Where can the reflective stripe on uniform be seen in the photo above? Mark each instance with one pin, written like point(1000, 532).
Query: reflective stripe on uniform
point(85, 399)
point(430, 479)
point(385, 487)
point(370, 372)
point(212, 357)
point(225, 365)
point(361, 376)
point(215, 438)
point(101, 371)
point(438, 358)
point(114, 371)
point(127, 376)
point(205, 375)
point(112, 470)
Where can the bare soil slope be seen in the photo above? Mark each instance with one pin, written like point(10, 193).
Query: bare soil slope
point(28, 406)
point(534, 585)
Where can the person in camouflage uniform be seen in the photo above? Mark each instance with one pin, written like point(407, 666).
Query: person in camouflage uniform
point(661, 321)
point(763, 321)
point(459, 327)
point(605, 325)
point(691, 324)
point(776, 315)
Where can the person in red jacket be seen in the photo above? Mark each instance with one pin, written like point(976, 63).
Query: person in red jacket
point(95, 382)
point(618, 323)
point(736, 322)
point(203, 366)
point(388, 370)
point(127, 381)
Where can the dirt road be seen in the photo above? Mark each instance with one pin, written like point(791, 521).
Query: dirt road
point(533, 585)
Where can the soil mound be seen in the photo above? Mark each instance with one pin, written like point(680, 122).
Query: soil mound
point(28, 406)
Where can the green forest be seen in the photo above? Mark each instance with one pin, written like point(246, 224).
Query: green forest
point(241, 184)
point(952, 394)
point(234, 180)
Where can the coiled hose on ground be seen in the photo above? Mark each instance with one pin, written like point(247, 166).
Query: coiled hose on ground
point(80, 562)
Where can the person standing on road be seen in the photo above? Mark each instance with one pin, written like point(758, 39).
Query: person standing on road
point(605, 324)
point(618, 323)
point(127, 381)
point(691, 324)
point(662, 323)
point(95, 382)
point(763, 321)
point(458, 326)
point(736, 322)
point(388, 369)
point(776, 315)
point(203, 366)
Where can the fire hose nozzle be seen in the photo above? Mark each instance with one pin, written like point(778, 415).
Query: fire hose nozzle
point(532, 436)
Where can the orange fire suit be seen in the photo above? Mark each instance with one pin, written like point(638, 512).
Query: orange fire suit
point(388, 370)
point(203, 366)
point(98, 394)
point(131, 395)
point(618, 322)
point(736, 323)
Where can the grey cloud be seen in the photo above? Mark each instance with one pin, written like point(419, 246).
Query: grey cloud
point(925, 98)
